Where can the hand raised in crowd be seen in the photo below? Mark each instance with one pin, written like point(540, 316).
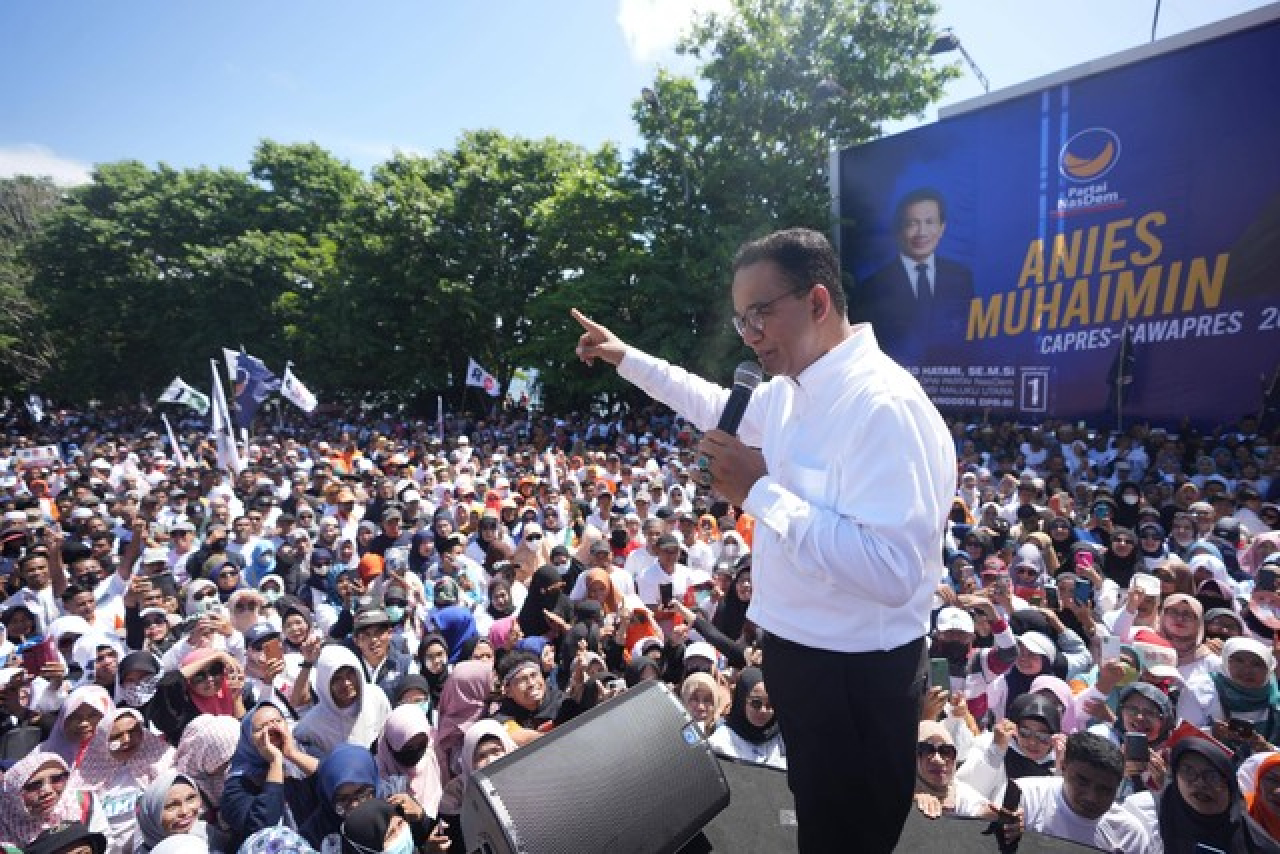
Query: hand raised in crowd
point(1002, 733)
point(1112, 672)
point(948, 595)
point(311, 648)
point(597, 342)
point(558, 624)
point(273, 668)
point(928, 804)
point(1098, 709)
point(935, 701)
point(1059, 746)
point(139, 587)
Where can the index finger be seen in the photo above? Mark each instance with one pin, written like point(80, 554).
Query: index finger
point(584, 321)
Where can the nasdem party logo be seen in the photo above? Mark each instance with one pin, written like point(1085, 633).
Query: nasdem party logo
point(1089, 155)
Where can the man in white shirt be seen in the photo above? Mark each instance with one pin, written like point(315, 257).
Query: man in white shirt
point(641, 559)
point(847, 549)
point(667, 570)
point(1080, 805)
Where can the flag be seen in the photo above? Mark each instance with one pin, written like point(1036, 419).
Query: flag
point(36, 407)
point(479, 377)
point(252, 382)
point(440, 416)
point(224, 438)
point(179, 392)
point(292, 390)
point(1121, 374)
point(178, 456)
point(521, 390)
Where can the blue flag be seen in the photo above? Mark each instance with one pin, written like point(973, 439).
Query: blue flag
point(254, 381)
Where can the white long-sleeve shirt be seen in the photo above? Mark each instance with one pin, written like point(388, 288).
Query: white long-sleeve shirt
point(851, 515)
point(1119, 831)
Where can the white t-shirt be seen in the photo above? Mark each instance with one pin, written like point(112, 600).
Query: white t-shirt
point(647, 583)
point(1045, 809)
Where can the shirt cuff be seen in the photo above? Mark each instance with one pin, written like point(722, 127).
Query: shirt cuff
point(770, 503)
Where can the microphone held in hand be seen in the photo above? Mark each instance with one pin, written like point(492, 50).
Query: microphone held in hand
point(745, 379)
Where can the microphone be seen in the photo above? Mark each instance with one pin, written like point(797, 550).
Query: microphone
point(745, 379)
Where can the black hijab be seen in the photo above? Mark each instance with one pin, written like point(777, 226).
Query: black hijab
point(731, 616)
point(434, 680)
point(546, 593)
point(1182, 829)
point(737, 721)
point(1121, 569)
point(1038, 708)
point(500, 613)
point(365, 827)
point(641, 668)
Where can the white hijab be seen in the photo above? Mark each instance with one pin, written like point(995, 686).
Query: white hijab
point(325, 726)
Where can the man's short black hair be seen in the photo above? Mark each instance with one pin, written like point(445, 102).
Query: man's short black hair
point(1096, 751)
point(805, 256)
point(924, 194)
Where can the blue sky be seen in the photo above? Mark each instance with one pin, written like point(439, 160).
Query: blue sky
point(200, 83)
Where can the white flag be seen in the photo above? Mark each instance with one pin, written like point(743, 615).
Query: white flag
point(36, 407)
point(292, 390)
point(178, 456)
point(225, 439)
point(479, 377)
point(179, 392)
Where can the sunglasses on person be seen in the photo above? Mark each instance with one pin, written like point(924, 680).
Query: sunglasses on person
point(926, 750)
point(52, 781)
point(156, 620)
point(208, 594)
point(229, 573)
point(1034, 735)
point(533, 537)
point(1121, 541)
point(211, 674)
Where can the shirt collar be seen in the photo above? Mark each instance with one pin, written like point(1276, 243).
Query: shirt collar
point(829, 367)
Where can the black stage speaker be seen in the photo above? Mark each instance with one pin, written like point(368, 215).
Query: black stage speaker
point(632, 775)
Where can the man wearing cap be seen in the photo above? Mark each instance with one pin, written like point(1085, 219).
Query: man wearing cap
point(847, 551)
point(182, 542)
point(392, 534)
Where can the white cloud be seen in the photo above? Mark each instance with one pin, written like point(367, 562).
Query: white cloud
point(41, 161)
point(651, 28)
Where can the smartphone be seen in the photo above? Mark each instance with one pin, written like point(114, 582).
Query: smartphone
point(665, 591)
point(1111, 647)
point(939, 674)
point(1052, 598)
point(37, 655)
point(1084, 592)
point(1136, 748)
point(272, 650)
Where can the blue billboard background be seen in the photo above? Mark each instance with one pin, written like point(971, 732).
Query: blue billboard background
point(1145, 197)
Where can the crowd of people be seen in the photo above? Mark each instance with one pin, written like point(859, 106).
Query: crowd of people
point(318, 651)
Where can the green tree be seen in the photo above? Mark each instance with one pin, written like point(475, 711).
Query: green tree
point(25, 355)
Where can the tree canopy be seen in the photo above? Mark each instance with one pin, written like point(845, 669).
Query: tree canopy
point(387, 283)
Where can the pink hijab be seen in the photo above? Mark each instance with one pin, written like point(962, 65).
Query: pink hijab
point(403, 724)
point(500, 631)
point(1251, 558)
point(1061, 690)
point(17, 826)
point(463, 701)
point(221, 703)
point(87, 695)
point(153, 756)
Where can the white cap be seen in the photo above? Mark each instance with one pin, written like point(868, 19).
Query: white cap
point(701, 649)
point(1039, 643)
point(951, 619)
point(155, 555)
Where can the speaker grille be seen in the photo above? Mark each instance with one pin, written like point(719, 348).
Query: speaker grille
point(629, 776)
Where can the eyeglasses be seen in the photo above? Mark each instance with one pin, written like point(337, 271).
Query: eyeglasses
point(344, 804)
point(759, 705)
point(229, 573)
point(533, 537)
point(208, 594)
point(1149, 537)
point(1140, 712)
point(53, 781)
point(753, 318)
point(1121, 541)
point(1034, 735)
point(212, 674)
point(925, 750)
point(241, 607)
point(1182, 615)
point(1211, 777)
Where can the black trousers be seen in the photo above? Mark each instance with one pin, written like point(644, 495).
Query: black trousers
point(850, 724)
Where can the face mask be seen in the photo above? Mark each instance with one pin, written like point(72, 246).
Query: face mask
point(953, 651)
point(396, 613)
point(138, 695)
point(321, 569)
point(272, 596)
point(218, 545)
point(89, 580)
point(730, 550)
point(410, 758)
point(204, 606)
point(425, 705)
point(402, 844)
point(1130, 499)
point(562, 568)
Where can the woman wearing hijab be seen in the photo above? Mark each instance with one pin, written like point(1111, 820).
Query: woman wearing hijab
point(347, 711)
point(208, 683)
point(262, 562)
point(266, 778)
point(938, 792)
point(1048, 685)
point(204, 756)
point(345, 779)
point(464, 700)
point(170, 806)
point(77, 722)
point(124, 758)
point(700, 694)
point(1263, 546)
point(504, 634)
point(731, 615)
point(1246, 688)
point(137, 679)
point(1063, 537)
point(433, 664)
point(750, 732)
point(1151, 545)
point(227, 578)
point(405, 751)
point(1200, 808)
point(1143, 708)
point(1020, 746)
point(484, 743)
point(1264, 804)
point(396, 825)
point(245, 606)
point(35, 796)
point(546, 597)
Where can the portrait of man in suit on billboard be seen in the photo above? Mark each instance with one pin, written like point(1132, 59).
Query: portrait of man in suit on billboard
point(918, 294)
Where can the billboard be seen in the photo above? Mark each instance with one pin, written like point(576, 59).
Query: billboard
point(1006, 255)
